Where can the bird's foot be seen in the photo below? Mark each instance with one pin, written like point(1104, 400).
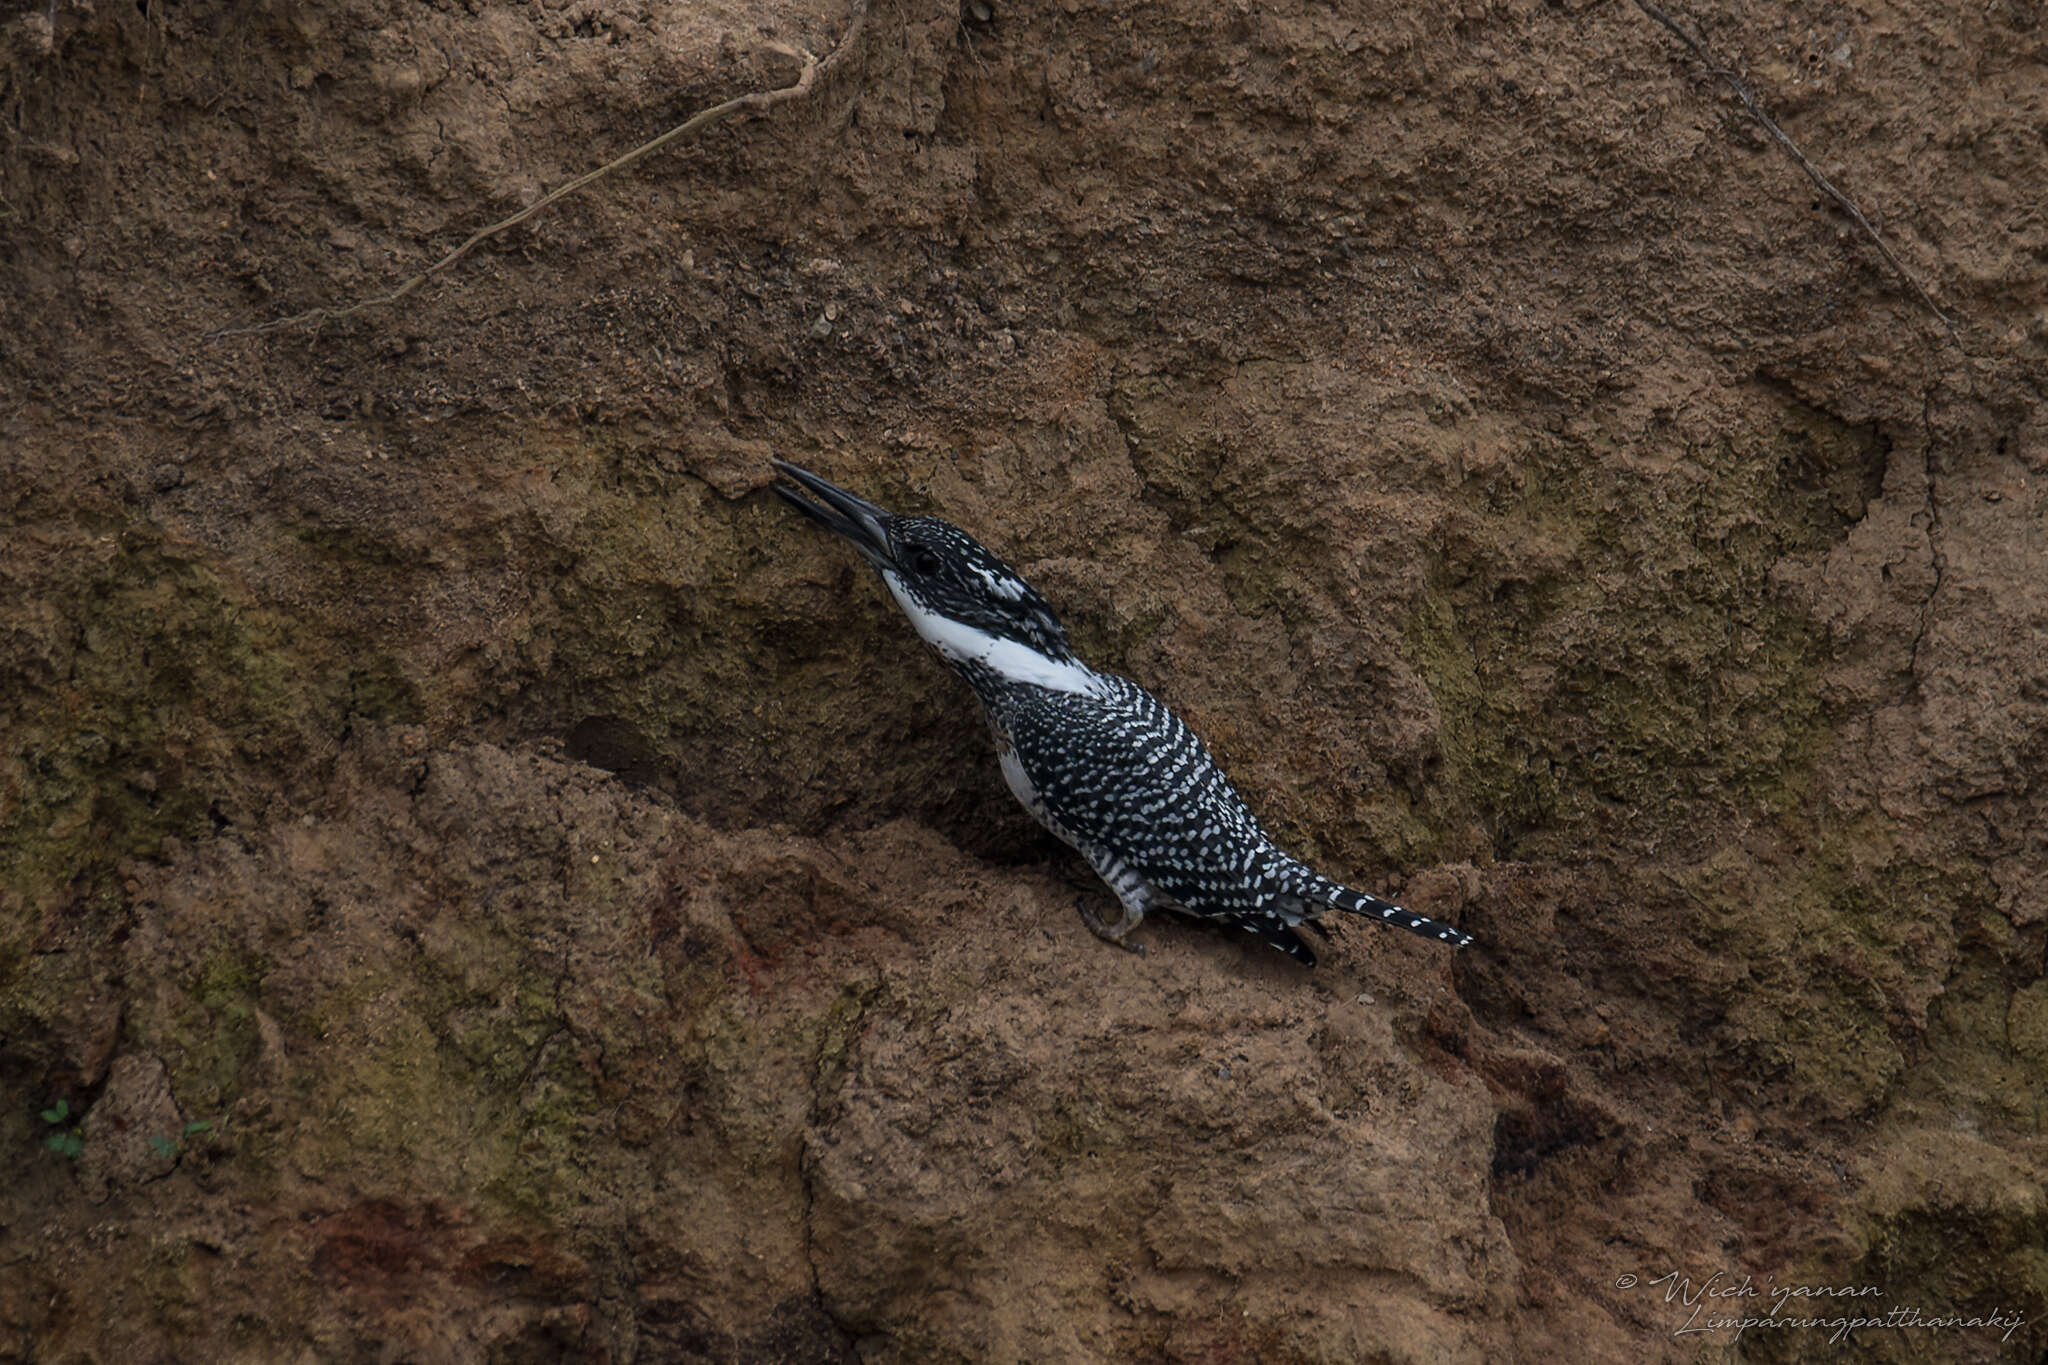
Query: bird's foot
point(1117, 933)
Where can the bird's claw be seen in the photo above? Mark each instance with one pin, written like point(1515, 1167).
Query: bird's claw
point(1117, 934)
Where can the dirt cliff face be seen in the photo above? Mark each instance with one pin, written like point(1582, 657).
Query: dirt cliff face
point(484, 881)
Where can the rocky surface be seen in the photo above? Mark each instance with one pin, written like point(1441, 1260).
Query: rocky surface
point(488, 883)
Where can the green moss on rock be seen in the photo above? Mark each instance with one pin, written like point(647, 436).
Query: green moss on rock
point(1950, 1226)
point(1612, 651)
point(130, 725)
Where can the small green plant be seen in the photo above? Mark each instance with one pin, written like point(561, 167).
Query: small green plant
point(65, 1137)
point(170, 1147)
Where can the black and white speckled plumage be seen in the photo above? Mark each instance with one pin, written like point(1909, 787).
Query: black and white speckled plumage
point(1101, 762)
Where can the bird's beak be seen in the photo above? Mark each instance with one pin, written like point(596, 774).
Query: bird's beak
point(859, 520)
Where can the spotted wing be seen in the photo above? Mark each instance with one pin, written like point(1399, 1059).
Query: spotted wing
point(1120, 773)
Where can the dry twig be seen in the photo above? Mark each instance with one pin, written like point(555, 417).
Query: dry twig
point(1770, 125)
point(760, 101)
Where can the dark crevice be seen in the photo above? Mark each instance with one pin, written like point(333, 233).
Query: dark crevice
point(1933, 514)
point(822, 1065)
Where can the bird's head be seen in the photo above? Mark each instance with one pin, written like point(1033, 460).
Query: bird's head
point(964, 600)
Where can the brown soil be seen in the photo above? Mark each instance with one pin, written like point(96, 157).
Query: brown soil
point(497, 886)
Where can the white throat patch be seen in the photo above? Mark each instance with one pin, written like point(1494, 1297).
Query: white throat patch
point(962, 643)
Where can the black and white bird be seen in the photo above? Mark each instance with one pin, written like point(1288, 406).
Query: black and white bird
point(1100, 761)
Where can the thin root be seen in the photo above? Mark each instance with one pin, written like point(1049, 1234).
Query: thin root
point(1770, 125)
point(760, 101)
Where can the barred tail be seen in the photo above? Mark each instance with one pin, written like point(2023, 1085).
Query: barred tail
point(1323, 891)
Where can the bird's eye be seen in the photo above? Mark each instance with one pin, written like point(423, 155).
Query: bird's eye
point(922, 561)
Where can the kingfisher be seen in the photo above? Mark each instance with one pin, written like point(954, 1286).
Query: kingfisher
point(1094, 757)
